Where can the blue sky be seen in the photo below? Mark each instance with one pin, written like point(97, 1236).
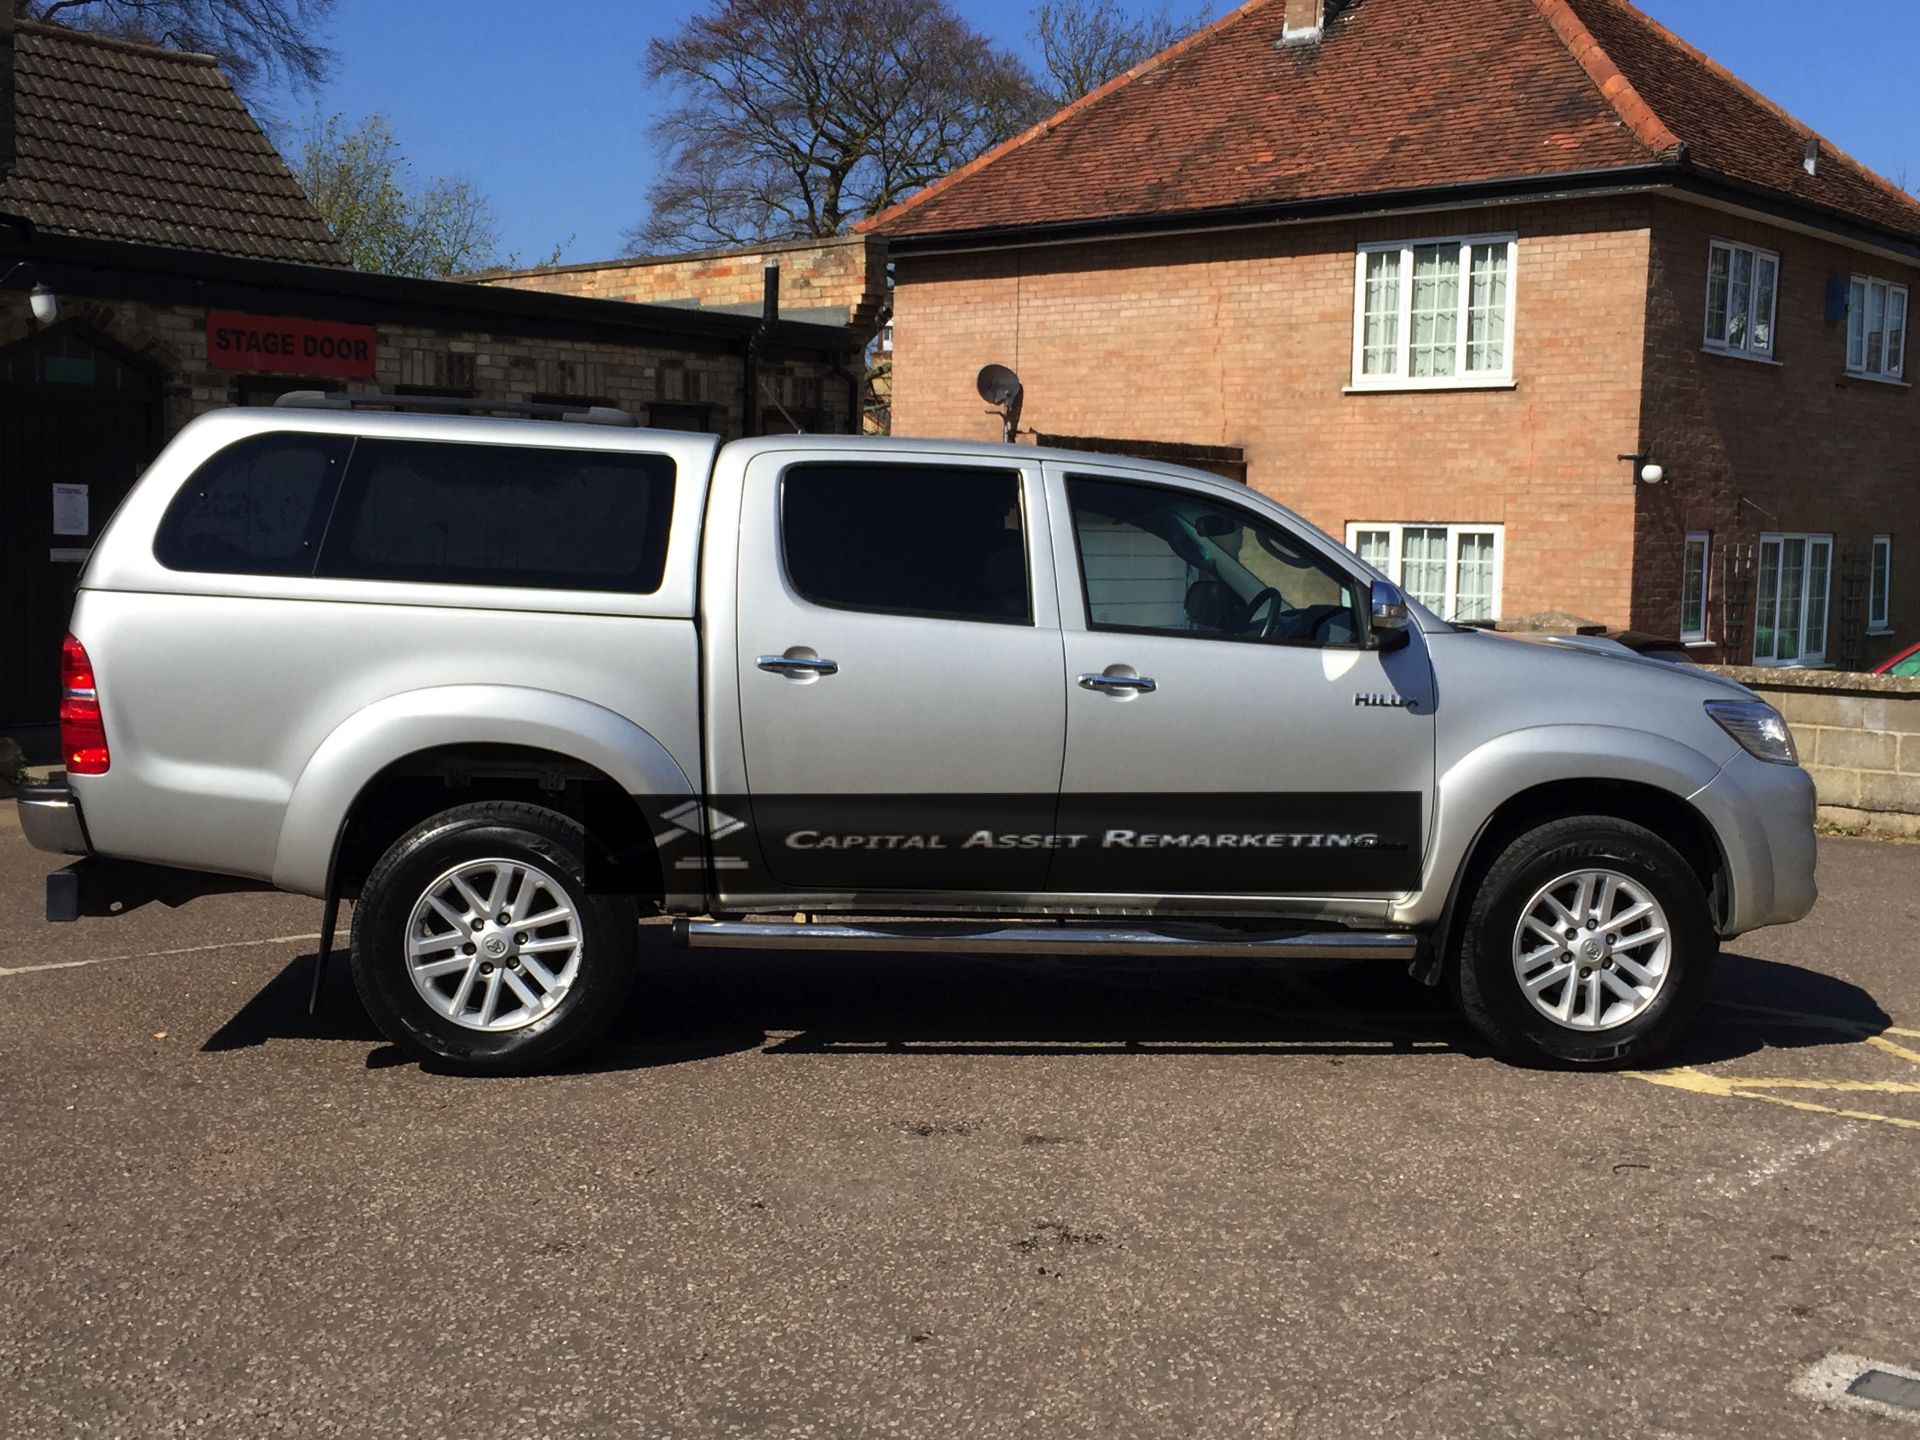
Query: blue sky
point(544, 106)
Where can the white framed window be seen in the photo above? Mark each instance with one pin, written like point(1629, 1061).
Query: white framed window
point(1876, 328)
point(1434, 313)
point(1453, 570)
point(1790, 611)
point(1693, 586)
point(1880, 584)
point(1743, 283)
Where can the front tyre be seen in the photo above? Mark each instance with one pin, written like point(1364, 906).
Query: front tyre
point(477, 944)
point(1588, 945)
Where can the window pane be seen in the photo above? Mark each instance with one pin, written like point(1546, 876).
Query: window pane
point(1717, 266)
point(1818, 553)
point(1375, 547)
point(254, 508)
point(945, 541)
point(1693, 591)
point(1896, 332)
point(1436, 310)
point(1487, 309)
point(1423, 565)
point(1857, 325)
point(1764, 271)
point(502, 515)
point(1380, 339)
point(1879, 584)
point(1766, 607)
point(1739, 299)
point(1159, 559)
point(1793, 590)
point(1473, 582)
point(1876, 327)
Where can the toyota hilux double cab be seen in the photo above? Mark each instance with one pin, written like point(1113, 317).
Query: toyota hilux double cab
point(509, 685)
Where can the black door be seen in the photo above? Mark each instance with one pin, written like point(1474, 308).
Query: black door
point(77, 414)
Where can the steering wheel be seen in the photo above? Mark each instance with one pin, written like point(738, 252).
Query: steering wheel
point(1273, 600)
point(1312, 622)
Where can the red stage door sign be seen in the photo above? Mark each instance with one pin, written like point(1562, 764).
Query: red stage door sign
point(288, 346)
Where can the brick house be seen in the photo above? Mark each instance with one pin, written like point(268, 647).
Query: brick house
point(1432, 286)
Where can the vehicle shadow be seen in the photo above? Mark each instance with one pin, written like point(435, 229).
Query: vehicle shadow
point(699, 1005)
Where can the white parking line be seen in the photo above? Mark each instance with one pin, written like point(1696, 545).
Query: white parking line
point(154, 954)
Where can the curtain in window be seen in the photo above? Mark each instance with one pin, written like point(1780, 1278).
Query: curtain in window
point(1717, 295)
point(1857, 326)
point(1896, 331)
point(1473, 579)
point(1423, 565)
point(1487, 309)
point(1381, 338)
point(1436, 309)
point(1376, 548)
point(1739, 298)
point(1876, 328)
point(1816, 631)
point(1766, 610)
point(1765, 268)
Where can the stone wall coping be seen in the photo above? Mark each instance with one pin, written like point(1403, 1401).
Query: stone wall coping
point(725, 252)
point(1828, 682)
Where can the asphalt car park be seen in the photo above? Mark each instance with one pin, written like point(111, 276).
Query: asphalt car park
point(864, 1196)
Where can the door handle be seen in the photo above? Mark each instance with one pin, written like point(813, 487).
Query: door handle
point(796, 665)
point(1118, 682)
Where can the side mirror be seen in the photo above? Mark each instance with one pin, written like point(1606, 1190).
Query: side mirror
point(1387, 616)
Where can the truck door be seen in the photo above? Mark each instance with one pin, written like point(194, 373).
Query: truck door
point(1227, 734)
point(901, 686)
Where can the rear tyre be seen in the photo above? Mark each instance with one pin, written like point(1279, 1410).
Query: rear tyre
point(1588, 945)
point(476, 943)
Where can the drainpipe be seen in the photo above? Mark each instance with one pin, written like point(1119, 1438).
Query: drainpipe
point(769, 317)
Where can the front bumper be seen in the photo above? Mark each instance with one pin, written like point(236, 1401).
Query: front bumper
point(50, 817)
point(1763, 814)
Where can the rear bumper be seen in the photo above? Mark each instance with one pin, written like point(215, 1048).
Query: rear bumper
point(50, 817)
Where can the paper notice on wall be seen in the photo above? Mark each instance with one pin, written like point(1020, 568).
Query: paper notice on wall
point(69, 509)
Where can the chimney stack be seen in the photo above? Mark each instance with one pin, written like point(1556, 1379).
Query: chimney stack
point(1305, 19)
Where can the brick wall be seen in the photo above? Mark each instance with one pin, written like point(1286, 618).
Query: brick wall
point(1245, 338)
point(1751, 447)
point(1858, 736)
point(487, 366)
point(846, 272)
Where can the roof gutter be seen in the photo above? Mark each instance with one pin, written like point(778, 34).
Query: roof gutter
point(1619, 179)
point(1671, 173)
point(84, 265)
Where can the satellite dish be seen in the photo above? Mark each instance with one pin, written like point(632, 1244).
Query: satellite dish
point(997, 384)
point(1000, 386)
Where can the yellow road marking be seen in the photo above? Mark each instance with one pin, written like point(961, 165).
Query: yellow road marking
point(1698, 1082)
point(1880, 1042)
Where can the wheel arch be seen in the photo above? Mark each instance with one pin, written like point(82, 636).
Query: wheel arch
point(1527, 777)
point(472, 742)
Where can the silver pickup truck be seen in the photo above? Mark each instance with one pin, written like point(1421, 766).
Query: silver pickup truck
point(510, 684)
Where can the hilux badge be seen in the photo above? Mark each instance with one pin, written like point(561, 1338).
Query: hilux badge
point(1374, 697)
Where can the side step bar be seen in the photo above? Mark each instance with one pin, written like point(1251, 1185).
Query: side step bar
point(1044, 939)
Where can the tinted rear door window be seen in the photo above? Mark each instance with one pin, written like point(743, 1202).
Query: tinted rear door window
point(497, 515)
point(257, 507)
point(938, 540)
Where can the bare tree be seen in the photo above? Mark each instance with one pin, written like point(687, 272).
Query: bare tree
point(256, 41)
point(1085, 43)
point(362, 183)
point(799, 117)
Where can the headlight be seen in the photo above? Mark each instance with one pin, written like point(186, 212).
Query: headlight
point(1758, 727)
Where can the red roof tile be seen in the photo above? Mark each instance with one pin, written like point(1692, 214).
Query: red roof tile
point(1503, 90)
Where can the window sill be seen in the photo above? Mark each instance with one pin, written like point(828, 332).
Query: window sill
point(1741, 355)
point(1700, 643)
point(1793, 665)
point(1878, 380)
point(1398, 386)
point(1879, 632)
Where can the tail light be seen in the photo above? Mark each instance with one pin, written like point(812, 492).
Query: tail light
point(83, 736)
